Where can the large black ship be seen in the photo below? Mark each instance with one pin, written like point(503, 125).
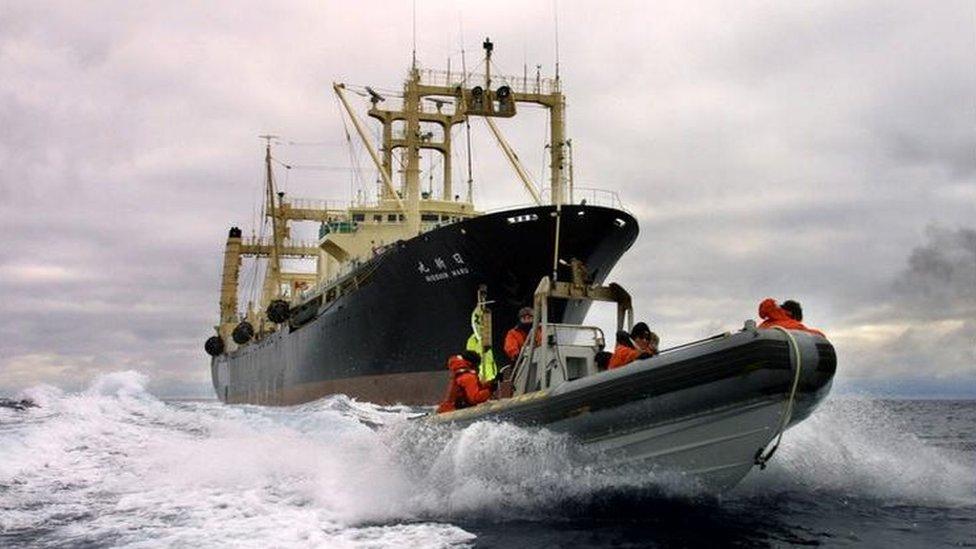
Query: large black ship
point(409, 308)
point(396, 279)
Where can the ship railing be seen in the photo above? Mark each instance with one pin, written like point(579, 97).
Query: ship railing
point(299, 203)
point(267, 241)
point(344, 272)
point(589, 196)
point(322, 286)
point(581, 195)
point(526, 83)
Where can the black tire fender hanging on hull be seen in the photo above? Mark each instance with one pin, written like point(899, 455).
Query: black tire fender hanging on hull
point(243, 333)
point(214, 346)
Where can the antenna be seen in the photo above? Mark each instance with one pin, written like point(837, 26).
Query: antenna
point(488, 46)
point(555, 18)
point(467, 120)
point(414, 54)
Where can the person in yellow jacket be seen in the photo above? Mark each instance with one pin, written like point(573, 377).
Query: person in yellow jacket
point(487, 370)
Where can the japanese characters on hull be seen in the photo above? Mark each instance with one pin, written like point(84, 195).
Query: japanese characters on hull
point(439, 269)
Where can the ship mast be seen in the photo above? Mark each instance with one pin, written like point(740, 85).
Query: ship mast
point(411, 109)
point(272, 279)
point(557, 135)
point(478, 100)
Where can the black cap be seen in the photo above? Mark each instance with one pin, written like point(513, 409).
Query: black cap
point(640, 330)
point(793, 307)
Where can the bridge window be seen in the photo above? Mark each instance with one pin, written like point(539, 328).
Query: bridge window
point(522, 218)
point(391, 218)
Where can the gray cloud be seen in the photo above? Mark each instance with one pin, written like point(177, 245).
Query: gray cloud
point(782, 150)
point(940, 281)
point(924, 322)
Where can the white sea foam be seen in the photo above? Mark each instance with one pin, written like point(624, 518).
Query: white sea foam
point(113, 465)
point(859, 448)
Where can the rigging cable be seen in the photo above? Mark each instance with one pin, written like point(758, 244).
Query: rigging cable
point(253, 283)
point(467, 121)
point(350, 146)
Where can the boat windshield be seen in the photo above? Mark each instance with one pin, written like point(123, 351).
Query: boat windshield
point(582, 336)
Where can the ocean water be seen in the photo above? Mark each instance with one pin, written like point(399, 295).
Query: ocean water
point(115, 466)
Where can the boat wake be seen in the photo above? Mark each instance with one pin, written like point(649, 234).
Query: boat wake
point(113, 465)
point(860, 448)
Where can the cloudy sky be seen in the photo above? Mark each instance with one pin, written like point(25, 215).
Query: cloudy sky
point(822, 151)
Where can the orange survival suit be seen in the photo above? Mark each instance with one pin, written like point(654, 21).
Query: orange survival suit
point(515, 338)
point(774, 315)
point(624, 353)
point(465, 389)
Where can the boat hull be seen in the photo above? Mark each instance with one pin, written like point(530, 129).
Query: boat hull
point(702, 411)
point(387, 341)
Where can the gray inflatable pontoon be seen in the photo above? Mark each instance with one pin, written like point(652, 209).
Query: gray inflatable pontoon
point(708, 409)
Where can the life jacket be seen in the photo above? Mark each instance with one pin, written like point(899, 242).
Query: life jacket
point(487, 370)
point(514, 340)
point(464, 389)
point(773, 315)
point(623, 354)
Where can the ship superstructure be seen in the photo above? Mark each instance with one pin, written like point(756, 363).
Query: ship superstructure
point(415, 256)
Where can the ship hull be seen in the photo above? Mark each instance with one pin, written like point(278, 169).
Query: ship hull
point(388, 339)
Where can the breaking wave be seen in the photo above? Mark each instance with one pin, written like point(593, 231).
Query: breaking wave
point(113, 465)
point(859, 448)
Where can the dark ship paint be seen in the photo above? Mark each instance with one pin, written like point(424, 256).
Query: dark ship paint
point(387, 339)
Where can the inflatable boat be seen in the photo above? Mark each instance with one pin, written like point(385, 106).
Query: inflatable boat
point(711, 410)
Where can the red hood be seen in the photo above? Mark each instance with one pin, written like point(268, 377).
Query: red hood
point(457, 363)
point(768, 309)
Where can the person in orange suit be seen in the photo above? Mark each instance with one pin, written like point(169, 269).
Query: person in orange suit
point(789, 315)
point(466, 389)
point(516, 337)
point(625, 352)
